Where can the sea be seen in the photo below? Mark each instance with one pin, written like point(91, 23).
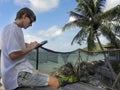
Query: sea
point(52, 62)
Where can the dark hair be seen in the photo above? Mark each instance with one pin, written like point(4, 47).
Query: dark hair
point(29, 13)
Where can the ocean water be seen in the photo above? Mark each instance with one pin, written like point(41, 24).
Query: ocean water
point(50, 65)
point(53, 62)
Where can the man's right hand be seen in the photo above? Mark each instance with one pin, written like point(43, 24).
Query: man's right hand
point(32, 45)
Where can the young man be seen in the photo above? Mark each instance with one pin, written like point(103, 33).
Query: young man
point(15, 68)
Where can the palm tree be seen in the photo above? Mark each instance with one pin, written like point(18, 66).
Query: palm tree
point(91, 20)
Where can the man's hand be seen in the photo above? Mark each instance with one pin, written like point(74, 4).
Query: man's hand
point(32, 45)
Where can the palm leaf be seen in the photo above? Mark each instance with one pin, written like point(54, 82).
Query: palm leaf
point(80, 36)
point(114, 14)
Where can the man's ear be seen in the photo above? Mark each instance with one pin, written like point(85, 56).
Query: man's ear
point(24, 15)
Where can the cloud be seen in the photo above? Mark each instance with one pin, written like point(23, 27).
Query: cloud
point(71, 19)
point(111, 3)
point(52, 32)
point(31, 38)
point(103, 40)
point(48, 34)
point(38, 5)
point(44, 5)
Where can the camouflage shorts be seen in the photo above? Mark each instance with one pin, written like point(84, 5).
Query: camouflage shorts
point(26, 79)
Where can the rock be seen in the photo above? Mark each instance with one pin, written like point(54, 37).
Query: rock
point(35, 88)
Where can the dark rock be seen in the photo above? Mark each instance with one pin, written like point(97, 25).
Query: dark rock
point(35, 88)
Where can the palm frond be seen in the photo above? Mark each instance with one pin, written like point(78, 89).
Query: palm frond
point(80, 36)
point(78, 16)
point(114, 14)
point(100, 4)
point(106, 31)
point(77, 23)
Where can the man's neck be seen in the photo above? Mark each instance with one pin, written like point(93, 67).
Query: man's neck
point(18, 23)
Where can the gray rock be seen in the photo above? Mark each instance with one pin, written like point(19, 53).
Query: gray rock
point(35, 88)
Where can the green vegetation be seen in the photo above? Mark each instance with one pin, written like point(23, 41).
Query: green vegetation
point(97, 48)
point(90, 20)
point(65, 74)
point(67, 79)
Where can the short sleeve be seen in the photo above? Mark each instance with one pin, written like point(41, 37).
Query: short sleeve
point(13, 39)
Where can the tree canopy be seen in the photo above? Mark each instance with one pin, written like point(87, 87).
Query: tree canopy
point(91, 20)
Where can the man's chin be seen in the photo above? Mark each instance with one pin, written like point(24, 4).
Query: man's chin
point(25, 27)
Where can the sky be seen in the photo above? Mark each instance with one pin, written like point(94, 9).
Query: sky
point(51, 17)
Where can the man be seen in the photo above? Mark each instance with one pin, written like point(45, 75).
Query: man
point(15, 68)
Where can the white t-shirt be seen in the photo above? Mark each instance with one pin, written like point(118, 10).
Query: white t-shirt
point(12, 40)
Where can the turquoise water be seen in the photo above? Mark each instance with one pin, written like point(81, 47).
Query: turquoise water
point(50, 66)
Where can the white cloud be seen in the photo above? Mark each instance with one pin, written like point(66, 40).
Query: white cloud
point(103, 40)
point(111, 3)
point(44, 5)
point(52, 32)
point(48, 34)
point(71, 19)
point(38, 5)
point(31, 38)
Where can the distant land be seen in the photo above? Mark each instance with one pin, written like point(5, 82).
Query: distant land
point(96, 49)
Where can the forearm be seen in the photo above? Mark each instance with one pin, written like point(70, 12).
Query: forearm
point(18, 54)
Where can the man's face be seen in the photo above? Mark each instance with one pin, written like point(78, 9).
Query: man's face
point(27, 22)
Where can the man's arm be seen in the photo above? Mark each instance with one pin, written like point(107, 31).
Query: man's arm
point(19, 54)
